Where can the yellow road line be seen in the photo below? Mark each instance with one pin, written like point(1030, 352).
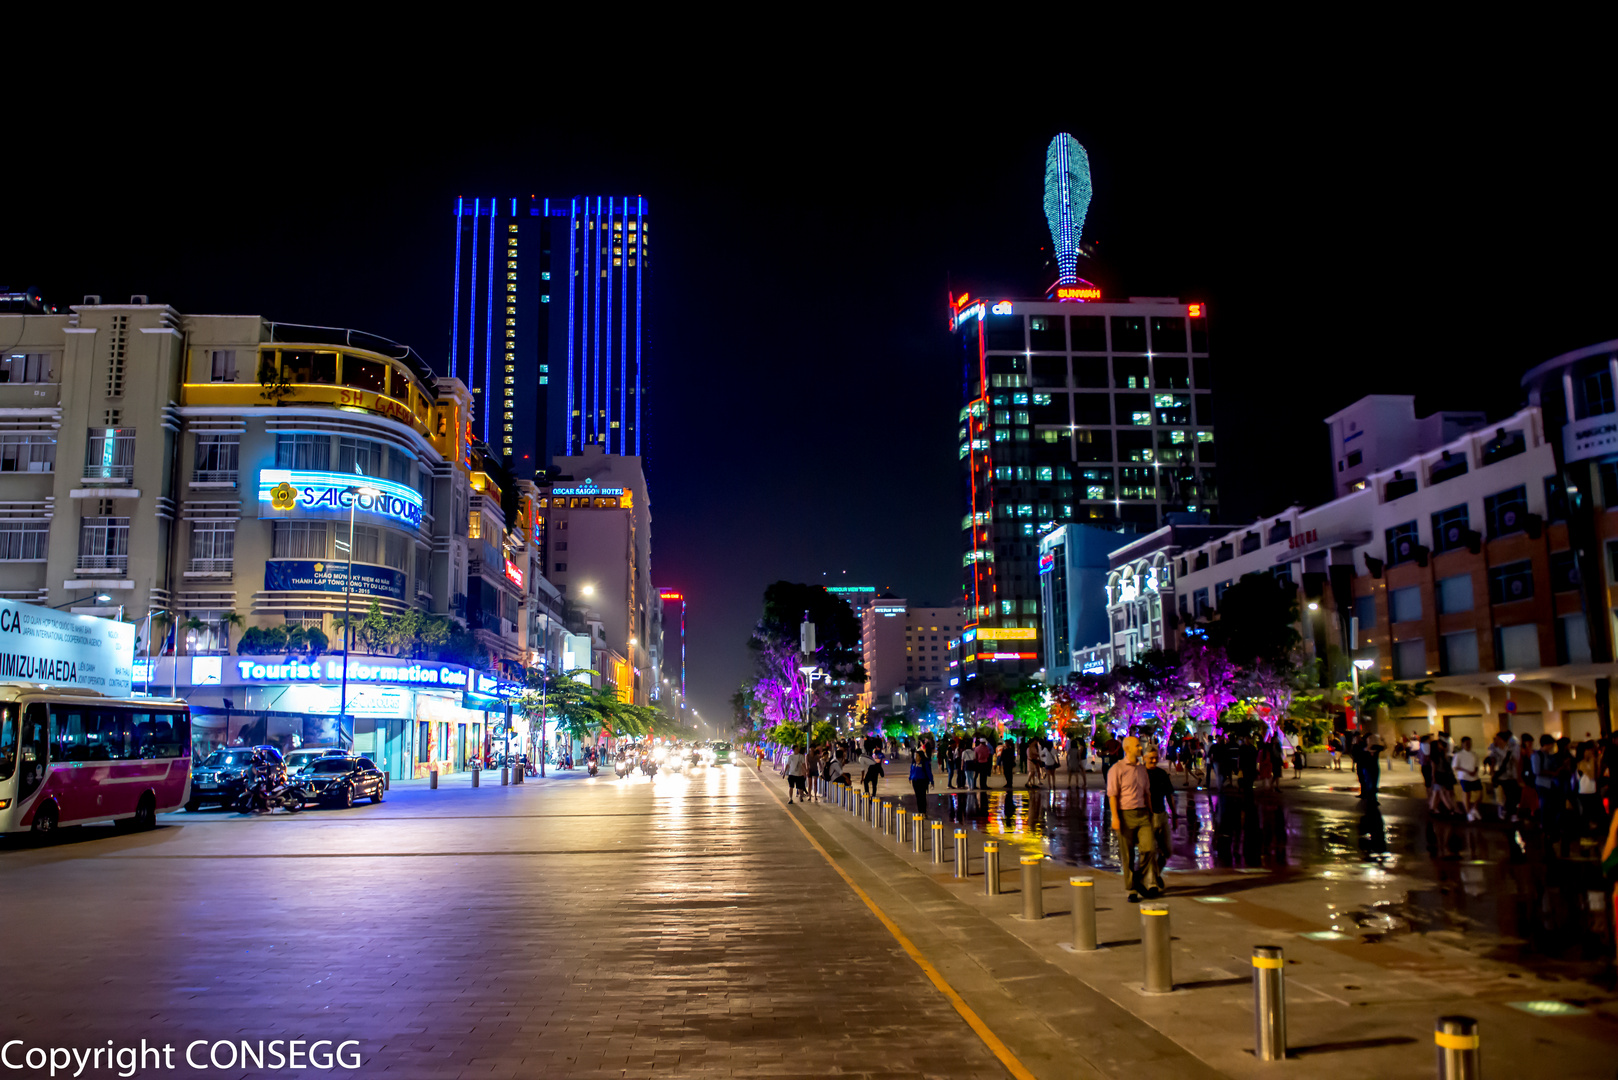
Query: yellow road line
point(973, 1020)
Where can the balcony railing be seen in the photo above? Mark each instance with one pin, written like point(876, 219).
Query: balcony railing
point(215, 476)
point(109, 472)
point(119, 563)
point(211, 566)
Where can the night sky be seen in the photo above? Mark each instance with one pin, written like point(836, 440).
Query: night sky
point(803, 394)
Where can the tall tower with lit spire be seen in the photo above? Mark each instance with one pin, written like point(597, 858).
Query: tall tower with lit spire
point(1067, 200)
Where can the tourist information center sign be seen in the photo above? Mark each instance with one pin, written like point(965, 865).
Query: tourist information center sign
point(58, 648)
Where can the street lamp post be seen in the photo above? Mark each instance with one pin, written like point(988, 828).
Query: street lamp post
point(1359, 666)
point(354, 492)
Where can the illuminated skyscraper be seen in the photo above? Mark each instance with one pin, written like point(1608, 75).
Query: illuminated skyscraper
point(606, 341)
point(1076, 410)
point(500, 332)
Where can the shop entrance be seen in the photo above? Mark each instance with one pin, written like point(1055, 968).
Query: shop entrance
point(460, 747)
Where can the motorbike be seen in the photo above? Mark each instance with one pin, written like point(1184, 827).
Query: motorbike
point(621, 767)
point(594, 768)
point(262, 794)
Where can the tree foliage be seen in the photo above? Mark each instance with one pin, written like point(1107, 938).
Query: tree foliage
point(780, 690)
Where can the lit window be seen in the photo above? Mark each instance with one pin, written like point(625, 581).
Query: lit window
point(617, 262)
point(511, 311)
point(1141, 418)
point(508, 427)
point(511, 322)
point(1044, 472)
point(508, 416)
point(511, 264)
point(511, 228)
point(510, 276)
point(510, 379)
point(511, 333)
point(542, 367)
point(631, 226)
point(545, 275)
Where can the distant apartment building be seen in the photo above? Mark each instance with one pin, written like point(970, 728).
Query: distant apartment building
point(907, 652)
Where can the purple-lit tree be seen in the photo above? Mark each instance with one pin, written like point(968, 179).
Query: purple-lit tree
point(1210, 680)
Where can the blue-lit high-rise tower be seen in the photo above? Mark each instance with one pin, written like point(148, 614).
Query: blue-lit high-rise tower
point(515, 319)
point(606, 343)
point(500, 331)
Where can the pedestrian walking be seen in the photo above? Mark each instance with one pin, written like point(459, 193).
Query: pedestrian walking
point(1466, 766)
point(1161, 800)
point(1129, 794)
point(921, 778)
point(873, 773)
point(1441, 800)
point(1008, 761)
point(982, 755)
point(1505, 774)
point(1075, 764)
point(797, 763)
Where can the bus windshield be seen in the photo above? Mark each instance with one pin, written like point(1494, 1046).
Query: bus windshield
point(8, 741)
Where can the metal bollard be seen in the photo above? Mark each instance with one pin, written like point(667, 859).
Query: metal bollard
point(879, 815)
point(1154, 932)
point(1269, 1004)
point(432, 779)
point(475, 772)
point(1033, 887)
point(902, 827)
point(1459, 1057)
point(505, 775)
point(859, 803)
point(938, 843)
point(963, 864)
point(1084, 914)
point(918, 833)
point(991, 869)
point(517, 773)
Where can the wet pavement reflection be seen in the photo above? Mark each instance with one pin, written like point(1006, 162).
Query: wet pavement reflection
point(1492, 887)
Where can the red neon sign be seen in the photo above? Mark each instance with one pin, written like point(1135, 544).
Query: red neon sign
point(1085, 291)
point(668, 594)
point(1196, 311)
point(514, 573)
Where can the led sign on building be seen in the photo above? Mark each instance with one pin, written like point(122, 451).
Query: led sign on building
point(1007, 633)
point(1047, 562)
point(316, 492)
point(514, 573)
point(670, 594)
point(587, 489)
point(394, 672)
point(1082, 291)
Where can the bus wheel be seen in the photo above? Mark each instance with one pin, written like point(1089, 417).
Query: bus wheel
point(145, 814)
point(45, 823)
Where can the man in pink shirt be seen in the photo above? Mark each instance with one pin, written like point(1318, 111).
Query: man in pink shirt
point(1129, 790)
point(981, 754)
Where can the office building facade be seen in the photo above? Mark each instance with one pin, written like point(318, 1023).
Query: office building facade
point(592, 526)
point(606, 343)
point(1099, 413)
point(209, 478)
point(1460, 567)
point(500, 330)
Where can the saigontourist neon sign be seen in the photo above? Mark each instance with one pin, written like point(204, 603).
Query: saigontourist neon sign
point(316, 492)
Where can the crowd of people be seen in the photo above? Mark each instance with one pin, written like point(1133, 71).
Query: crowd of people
point(1561, 789)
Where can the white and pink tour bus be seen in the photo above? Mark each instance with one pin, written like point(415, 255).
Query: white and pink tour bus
point(69, 757)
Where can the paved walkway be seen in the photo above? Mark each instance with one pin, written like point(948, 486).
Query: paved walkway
point(1361, 1001)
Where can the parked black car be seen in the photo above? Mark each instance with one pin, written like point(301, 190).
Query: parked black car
point(338, 781)
point(218, 781)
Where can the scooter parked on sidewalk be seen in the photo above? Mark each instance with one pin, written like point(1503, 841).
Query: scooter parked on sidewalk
point(262, 794)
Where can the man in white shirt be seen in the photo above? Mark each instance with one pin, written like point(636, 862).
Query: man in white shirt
point(1465, 763)
point(796, 764)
